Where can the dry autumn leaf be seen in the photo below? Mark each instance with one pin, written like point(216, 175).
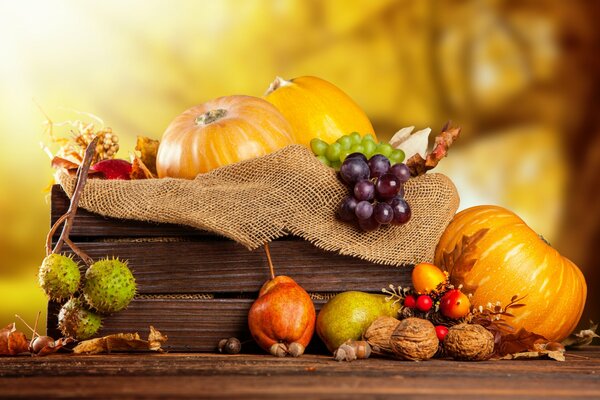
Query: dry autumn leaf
point(12, 342)
point(462, 258)
point(122, 342)
point(419, 165)
point(554, 355)
point(519, 342)
point(146, 150)
point(582, 338)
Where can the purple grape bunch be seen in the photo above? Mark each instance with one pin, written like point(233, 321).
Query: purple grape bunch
point(376, 192)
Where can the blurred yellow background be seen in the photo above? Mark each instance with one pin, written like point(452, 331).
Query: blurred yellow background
point(520, 77)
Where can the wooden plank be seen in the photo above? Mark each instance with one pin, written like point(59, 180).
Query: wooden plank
point(191, 325)
point(227, 267)
point(263, 376)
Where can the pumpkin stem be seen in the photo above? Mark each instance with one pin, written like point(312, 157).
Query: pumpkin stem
point(211, 116)
point(276, 84)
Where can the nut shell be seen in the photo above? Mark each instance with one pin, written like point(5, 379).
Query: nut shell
point(471, 342)
point(378, 334)
point(414, 339)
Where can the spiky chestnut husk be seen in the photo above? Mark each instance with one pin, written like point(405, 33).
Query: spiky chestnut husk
point(59, 276)
point(109, 286)
point(75, 320)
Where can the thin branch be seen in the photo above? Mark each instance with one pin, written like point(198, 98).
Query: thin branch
point(53, 231)
point(33, 332)
point(82, 174)
point(80, 253)
point(269, 261)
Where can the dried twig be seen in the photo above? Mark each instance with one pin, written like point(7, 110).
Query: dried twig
point(82, 174)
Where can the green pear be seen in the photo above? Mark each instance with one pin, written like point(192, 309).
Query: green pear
point(349, 314)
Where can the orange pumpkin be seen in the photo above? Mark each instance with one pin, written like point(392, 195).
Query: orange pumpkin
point(317, 109)
point(513, 260)
point(220, 132)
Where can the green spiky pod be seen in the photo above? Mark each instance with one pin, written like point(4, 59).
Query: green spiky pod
point(77, 321)
point(109, 286)
point(59, 276)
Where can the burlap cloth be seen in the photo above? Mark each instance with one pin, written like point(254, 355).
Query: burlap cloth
point(287, 192)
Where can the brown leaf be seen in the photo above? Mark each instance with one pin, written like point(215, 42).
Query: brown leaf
point(555, 355)
point(122, 342)
point(62, 163)
point(12, 342)
point(418, 165)
point(462, 258)
point(521, 341)
point(582, 338)
point(139, 170)
point(147, 149)
point(55, 346)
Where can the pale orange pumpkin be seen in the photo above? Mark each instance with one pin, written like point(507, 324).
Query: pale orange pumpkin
point(317, 109)
point(513, 260)
point(221, 132)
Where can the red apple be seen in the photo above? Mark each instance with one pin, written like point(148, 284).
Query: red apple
point(113, 169)
point(282, 319)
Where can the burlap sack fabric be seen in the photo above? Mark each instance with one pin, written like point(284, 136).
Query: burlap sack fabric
point(287, 192)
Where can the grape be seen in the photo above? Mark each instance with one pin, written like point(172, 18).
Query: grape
point(336, 165)
point(387, 186)
point(318, 146)
point(383, 213)
point(369, 147)
point(354, 170)
point(364, 190)
point(333, 152)
point(345, 142)
point(360, 156)
point(378, 165)
point(346, 209)
point(397, 156)
point(384, 148)
point(401, 171)
point(358, 148)
point(368, 137)
point(355, 137)
point(369, 224)
point(324, 160)
point(402, 211)
point(363, 210)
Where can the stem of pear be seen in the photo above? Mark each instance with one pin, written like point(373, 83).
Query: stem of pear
point(268, 253)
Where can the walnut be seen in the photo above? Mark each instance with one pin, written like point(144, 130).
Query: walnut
point(414, 339)
point(469, 342)
point(378, 334)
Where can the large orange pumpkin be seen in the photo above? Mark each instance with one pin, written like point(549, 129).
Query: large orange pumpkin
point(220, 132)
point(317, 109)
point(513, 260)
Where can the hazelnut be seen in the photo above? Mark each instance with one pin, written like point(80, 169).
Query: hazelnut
point(470, 342)
point(414, 339)
point(230, 346)
point(378, 334)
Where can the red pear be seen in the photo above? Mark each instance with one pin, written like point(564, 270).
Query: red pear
point(282, 319)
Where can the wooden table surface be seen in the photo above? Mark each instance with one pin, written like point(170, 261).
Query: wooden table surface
point(198, 375)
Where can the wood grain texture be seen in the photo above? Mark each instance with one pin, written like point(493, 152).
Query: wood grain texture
point(264, 376)
point(191, 325)
point(224, 266)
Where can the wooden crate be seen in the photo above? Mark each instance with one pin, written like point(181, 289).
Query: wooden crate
point(175, 267)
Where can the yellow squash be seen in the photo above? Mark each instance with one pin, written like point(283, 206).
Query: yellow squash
point(220, 132)
point(317, 109)
point(513, 260)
